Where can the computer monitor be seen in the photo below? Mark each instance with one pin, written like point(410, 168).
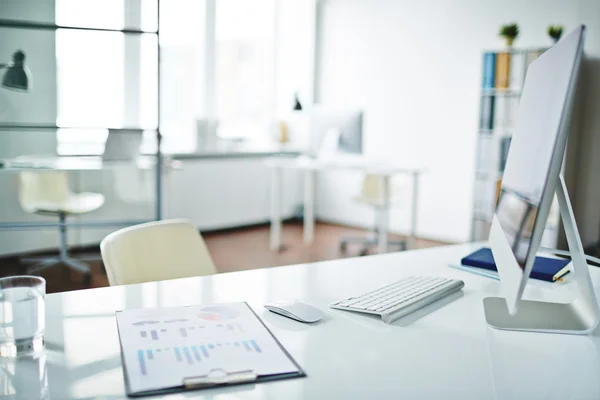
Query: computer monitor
point(531, 178)
point(122, 144)
point(345, 126)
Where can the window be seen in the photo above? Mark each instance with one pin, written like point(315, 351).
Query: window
point(104, 79)
point(90, 78)
point(182, 38)
point(236, 62)
point(244, 66)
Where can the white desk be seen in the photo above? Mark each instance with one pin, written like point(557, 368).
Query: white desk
point(310, 166)
point(77, 163)
point(85, 163)
point(444, 351)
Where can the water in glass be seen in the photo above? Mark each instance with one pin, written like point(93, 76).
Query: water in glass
point(22, 315)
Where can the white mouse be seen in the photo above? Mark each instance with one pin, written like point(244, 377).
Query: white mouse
point(296, 310)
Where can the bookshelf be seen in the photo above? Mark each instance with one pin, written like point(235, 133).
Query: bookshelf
point(502, 81)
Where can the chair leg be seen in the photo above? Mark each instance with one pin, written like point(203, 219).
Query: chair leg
point(76, 265)
point(88, 257)
point(372, 239)
point(36, 260)
point(42, 265)
point(355, 239)
point(63, 236)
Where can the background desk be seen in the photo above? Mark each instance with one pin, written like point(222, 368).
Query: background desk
point(87, 163)
point(310, 166)
point(444, 351)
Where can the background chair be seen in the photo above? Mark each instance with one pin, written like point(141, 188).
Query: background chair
point(48, 193)
point(155, 251)
point(372, 194)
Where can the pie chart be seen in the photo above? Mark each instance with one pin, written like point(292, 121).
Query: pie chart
point(218, 313)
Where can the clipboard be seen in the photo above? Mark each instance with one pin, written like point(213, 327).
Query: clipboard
point(215, 377)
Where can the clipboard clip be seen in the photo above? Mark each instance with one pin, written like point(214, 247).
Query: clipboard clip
point(218, 377)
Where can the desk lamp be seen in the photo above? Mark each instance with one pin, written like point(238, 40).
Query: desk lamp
point(17, 75)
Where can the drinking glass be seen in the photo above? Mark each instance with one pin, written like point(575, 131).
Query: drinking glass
point(22, 315)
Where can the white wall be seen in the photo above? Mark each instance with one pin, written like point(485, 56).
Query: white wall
point(415, 68)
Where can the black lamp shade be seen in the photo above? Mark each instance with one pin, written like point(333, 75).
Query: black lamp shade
point(16, 76)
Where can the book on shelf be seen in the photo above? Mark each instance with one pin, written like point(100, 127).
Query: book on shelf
point(489, 70)
point(512, 109)
point(484, 202)
point(517, 71)
point(487, 112)
point(486, 155)
point(498, 190)
point(502, 70)
point(504, 147)
point(531, 56)
point(500, 110)
point(505, 113)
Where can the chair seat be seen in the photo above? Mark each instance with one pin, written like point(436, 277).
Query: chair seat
point(76, 203)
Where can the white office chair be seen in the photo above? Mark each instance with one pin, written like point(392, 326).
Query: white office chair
point(48, 193)
point(372, 195)
point(155, 251)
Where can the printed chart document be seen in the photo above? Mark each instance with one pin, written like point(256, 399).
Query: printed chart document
point(163, 346)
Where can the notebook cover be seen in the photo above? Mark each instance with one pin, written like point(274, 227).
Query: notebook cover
point(543, 268)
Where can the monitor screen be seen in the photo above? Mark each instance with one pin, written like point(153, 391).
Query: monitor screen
point(534, 161)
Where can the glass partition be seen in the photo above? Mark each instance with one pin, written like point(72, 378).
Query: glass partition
point(78, 130)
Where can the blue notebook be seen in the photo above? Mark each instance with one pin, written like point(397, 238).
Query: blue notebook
point(545, 269)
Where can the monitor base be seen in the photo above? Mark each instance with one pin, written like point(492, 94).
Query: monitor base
point(539, 316)
point(578, 317)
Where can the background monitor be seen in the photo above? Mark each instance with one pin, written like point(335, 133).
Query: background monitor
point(534, 162)
point(122, 144)
point(348, 123)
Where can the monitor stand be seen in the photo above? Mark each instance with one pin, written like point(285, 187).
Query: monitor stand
point(578, 317)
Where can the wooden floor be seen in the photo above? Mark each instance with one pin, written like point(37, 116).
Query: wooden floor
point(249, 249)
point(232, 250)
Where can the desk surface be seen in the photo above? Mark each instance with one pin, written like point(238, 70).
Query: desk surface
point(78, 163)
point(442, 351)
point(360, 163)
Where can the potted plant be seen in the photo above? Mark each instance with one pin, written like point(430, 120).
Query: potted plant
point(555, 32)
point(509, 32)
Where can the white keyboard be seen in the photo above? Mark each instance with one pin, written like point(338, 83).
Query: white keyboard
point(400, 298)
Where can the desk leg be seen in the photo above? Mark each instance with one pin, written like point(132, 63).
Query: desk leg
point(413, 218)
point(309, 206)
point(384, 217)
point(275, 242)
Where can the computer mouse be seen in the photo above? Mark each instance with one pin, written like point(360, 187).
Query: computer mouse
point(296, 310)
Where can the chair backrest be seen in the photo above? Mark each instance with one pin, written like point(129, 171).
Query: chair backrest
point(155, 251)
point(372, 188)
point(39, 187)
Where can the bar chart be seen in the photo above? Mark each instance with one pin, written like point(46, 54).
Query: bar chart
point(195, 354)
point(187, 331)
point(154, 333)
